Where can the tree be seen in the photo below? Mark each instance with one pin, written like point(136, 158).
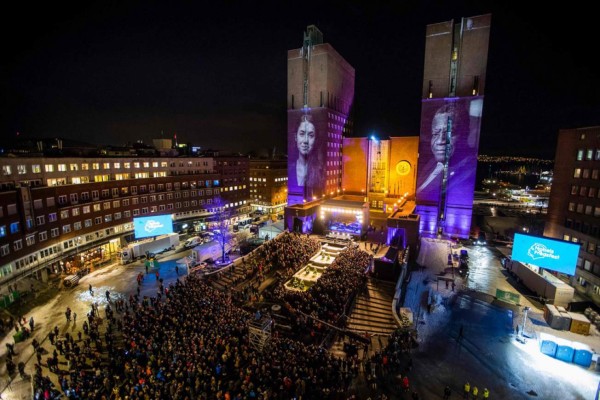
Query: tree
point(222, 216)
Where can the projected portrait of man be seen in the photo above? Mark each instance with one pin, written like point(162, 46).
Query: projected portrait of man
point(453, 141)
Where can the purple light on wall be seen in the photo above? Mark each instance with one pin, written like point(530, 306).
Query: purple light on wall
point(461, 117)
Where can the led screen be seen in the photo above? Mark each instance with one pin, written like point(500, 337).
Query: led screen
point(152, 226)
point(552, 254)
point(307, 154)
point(448, 147)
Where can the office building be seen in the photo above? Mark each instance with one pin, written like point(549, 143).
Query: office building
point(451, 108)
point(574, 206)
point(319, 101)
point(59, 213)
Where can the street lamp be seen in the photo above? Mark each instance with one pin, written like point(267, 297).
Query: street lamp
point(77, 241)
point(526, 309)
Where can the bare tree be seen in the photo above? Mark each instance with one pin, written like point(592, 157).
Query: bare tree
point(220, 230)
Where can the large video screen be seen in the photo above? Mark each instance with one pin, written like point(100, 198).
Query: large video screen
point(552, 254)
point(307, 154)
point(152, 226)
point(448, 147)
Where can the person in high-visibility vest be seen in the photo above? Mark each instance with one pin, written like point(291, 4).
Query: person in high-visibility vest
point(467, 390)
point(486, 393)
point(475, 392)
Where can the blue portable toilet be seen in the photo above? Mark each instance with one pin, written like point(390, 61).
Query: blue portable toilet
point(564, 351)
point(583, 355)
point(548, 348)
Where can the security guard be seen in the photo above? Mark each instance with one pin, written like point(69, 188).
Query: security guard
point(467, 390)
point(486, 393)
point(475, 392)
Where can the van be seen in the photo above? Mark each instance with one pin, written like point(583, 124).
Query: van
point(193, 242)
point(207, 236)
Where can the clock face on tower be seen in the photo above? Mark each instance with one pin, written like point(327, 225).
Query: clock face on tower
point(403, 168)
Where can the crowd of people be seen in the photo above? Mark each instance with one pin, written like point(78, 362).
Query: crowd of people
point(192, 344)
point(192, 341)
point(328, 298)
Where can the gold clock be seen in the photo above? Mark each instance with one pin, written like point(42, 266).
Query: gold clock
point(403, 168)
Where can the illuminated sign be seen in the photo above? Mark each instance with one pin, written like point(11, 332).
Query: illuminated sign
point(552, 254)
point(152, 226)
point(403, 168)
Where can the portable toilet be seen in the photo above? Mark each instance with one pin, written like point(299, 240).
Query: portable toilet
point(583, 355)
point(548, 344)
point(564, 350)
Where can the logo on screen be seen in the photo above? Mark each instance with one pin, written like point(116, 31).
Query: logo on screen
point(538, 250)
point(152, 225)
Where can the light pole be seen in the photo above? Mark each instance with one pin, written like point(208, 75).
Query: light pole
point(526, 309)
point(77, 240)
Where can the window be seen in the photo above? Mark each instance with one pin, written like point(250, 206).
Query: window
point(52, 217)
point(135, 200)
point(589, 154)
point(579, 207)
point(144, 210)
point(64, 214)
point(95, 195)
point(574, 189)
point(105, 193)
point(62, 167)
point(106, 165)
point(97, 207)
point(125, 202)
point(107, 205)
point(592, 192)
point(75, 211)
point(108, 218)
point(62, 199)
point(77, 225)
point(5, 250)
point(66, 228)
point(40, 220)
point(591, 248)
point(577, 173)
point(586, 173)
point(42, 236)
point(587, 265)
point(49, 167)
point(115, 192)
point(116, 204)
point(21, 169)
point(127, 214)
point(73, 197)
point(54, 232)
point(86, 209)
point(85, 196)
point(18, 244)
point(95, 166)
point(98, 220)
point(136, 212)
point(588, 210)
point(583, 191)
point(87, 223)
point(30, 240)
point(14, 227)
point(117, 216)
point(36, 169)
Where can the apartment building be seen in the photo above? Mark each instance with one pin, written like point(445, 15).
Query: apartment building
point(57, 213)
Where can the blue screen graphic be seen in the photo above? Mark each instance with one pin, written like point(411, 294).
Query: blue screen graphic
point(152, 226)
point(552, 254)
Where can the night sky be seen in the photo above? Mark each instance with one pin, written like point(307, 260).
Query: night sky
point(215, 73)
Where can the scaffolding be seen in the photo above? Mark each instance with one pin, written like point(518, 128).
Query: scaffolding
point(259, 331)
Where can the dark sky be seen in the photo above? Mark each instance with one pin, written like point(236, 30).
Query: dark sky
point(215, 72)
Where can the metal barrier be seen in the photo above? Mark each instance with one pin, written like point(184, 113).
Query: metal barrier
point(71, 280)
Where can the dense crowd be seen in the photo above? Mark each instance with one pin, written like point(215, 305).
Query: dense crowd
point(328, 298)
point(191, 341)
point(191, 344)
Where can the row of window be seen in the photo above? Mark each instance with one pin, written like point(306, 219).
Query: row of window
point(583, 227)
point(582, 282)
point(95, 195)
point(584, 209)
point(585, 191)
point(585, 173)
point(588, 154)
point(22, 169)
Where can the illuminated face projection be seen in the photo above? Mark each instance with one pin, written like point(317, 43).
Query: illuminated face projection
point(307, 153)
point(305, 138)
point(439, 131)
point(448, 205)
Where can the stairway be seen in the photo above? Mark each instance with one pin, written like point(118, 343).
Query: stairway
point(373, 310)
